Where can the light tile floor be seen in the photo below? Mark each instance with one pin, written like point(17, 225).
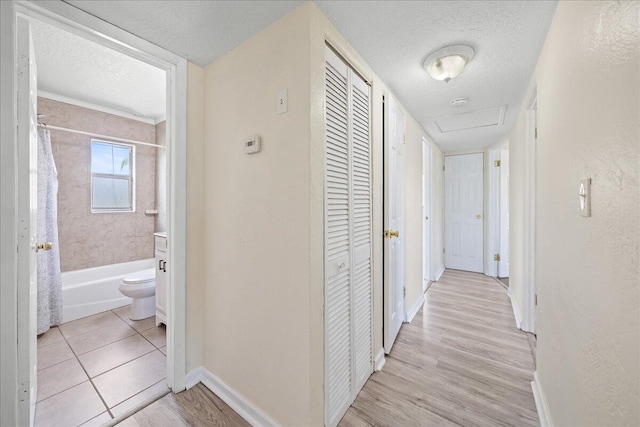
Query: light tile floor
point(93, 369)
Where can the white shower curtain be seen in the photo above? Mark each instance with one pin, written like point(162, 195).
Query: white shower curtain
point(49, 277)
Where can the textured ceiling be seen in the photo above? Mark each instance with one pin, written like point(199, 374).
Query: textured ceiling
point(199, 31)
point(395, 37)
point(77, 68)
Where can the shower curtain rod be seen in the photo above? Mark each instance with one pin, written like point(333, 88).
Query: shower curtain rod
point(97, 135)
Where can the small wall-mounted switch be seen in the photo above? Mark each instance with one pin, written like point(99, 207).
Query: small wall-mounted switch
point(252, 145)
point(282, 101)
point(585, 197)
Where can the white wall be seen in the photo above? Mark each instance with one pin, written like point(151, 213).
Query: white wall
point(587, 269)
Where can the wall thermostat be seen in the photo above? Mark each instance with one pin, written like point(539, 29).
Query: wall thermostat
point(252, 145)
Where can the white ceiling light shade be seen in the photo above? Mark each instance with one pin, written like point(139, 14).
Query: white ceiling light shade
point(447, 63)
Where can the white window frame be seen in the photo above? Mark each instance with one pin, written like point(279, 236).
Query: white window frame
point(132, 178)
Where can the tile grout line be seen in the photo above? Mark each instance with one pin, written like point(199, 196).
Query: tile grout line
point(90, 379)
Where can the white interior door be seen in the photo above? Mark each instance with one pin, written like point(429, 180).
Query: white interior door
point(27, 223)
point(503, 264)
point(426, 211)
point(393, 223)
point(464, 229)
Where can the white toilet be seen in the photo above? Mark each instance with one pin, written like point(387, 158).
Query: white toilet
point(141, 288)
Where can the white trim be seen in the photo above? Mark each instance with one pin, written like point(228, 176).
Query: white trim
point(96, 107)
point(160, 119)
point(516, 310)
point(415, 309)
point(8, 219)
point(380, 360)
point(493, 214)
point(90, 27)
point(243, 406)
point(439, 273)
point(541, 402)
point(193, 377)
point(427, 211)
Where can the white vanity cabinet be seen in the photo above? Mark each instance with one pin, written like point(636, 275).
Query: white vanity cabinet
point(161, 277)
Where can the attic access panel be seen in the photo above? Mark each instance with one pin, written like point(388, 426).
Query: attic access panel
point(472, 120)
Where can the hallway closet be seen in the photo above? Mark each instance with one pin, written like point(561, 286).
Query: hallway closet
point(348, 270)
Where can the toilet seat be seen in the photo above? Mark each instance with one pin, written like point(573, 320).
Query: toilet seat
point(144, 276)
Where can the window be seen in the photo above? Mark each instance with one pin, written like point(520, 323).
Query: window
point(112, 177)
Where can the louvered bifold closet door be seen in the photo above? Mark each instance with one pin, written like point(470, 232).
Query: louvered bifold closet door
point(348, 336)
point(361, 220)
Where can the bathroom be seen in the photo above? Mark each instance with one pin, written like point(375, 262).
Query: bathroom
point(102, 196)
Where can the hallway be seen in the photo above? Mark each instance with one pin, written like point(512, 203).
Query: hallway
point(460, 362)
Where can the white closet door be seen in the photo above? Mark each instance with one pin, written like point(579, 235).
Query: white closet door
point(361, 188)
point(338, 334)
point(348, 293)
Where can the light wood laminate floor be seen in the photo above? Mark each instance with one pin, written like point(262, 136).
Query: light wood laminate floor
point(461, 361)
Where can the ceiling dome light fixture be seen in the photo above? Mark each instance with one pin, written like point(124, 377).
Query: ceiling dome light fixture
point(447, 63)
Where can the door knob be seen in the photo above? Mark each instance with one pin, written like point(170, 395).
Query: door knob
point(394, 234)
point(478, 216)
point(46, 246)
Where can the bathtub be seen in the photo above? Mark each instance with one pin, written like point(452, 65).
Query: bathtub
point(94, 290)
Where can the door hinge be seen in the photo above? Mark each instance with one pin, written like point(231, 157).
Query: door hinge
point(536, 133)
point(497, 163)
point(496, 257)
point(404, 292)
point(442, 168)
point(442, 250)
point(535, 302)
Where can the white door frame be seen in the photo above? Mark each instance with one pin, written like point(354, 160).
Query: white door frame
point(493, 211)
point(529, 265)
point(389, 335)
point(493, 214)
point(427, 236)
point(80, 23)
point(481, 216)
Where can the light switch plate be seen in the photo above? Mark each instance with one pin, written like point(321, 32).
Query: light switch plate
point(282, 102)
point(585, 197)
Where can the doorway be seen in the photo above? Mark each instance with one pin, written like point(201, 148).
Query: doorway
point(24, 186)
point(503, 252)
point(393, 153)
point(464, 225)
point(427, 275)
point(529, 267)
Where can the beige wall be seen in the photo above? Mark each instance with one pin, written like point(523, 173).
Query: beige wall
point(93, 239)
point(195, 257)
point(256, 230)
point(587, 268)
point(263, 216)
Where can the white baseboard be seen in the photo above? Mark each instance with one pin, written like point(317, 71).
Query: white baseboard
point(193, 377)
point(245, 408)
point(541, 402)
point(379, 360)
point(416, 307)
point(516, 310)
point(439, 273)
